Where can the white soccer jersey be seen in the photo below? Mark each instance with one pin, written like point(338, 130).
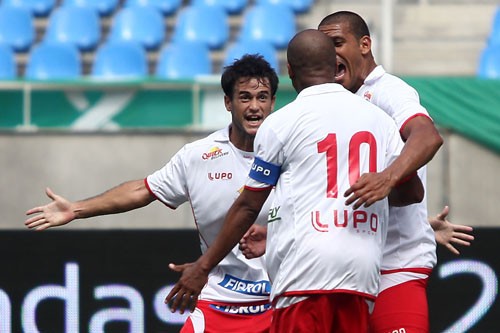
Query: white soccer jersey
point(319, 145)
point(410, 239)
point(210, 173)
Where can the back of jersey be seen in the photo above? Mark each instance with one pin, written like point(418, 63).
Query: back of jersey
point(323, 142)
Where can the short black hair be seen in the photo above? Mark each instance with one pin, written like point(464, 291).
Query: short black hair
point(358, 26)
point(249, 66)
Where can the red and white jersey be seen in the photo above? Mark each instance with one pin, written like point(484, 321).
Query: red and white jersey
point(210, 173)
point(410, 239)
point(313, 149)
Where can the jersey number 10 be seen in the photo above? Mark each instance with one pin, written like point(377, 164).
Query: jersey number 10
point(329, 146)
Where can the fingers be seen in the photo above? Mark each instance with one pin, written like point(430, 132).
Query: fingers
point(463, 229)
point(176, 268)
point(180, 299)
point(452, 249)
point(34, 210)
point(50, 194)
point(171, 299)
point(365, 200)
point(460, 241)
point(33, 219)
point(464, 237)
point(444, 213)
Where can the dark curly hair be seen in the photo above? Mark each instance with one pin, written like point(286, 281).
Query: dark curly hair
point(248, 66)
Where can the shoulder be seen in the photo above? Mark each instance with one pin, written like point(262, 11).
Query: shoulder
point(392, 85)
point(211, 142)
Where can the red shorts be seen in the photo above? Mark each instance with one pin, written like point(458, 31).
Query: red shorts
point(211, 317)
point(401, 309)
point(325, 313)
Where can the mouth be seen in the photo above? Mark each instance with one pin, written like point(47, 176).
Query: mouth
point(254, 120)
point(341, 70)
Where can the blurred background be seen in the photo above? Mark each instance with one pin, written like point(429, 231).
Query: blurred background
point(97, 92)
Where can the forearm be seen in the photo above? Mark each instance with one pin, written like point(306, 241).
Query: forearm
point(239, 219)
point(122, 198)
point(422, 141)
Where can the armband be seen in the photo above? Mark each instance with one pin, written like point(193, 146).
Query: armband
point(265, 172)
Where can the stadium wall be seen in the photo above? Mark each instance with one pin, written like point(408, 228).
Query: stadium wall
point(463, 175)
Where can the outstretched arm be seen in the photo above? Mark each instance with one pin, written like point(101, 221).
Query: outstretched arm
point(448, 234)
point(60, 211)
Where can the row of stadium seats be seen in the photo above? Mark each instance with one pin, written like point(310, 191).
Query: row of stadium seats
point(42, 8)
point(489, 62)
point(126, 60)
point(265, 28)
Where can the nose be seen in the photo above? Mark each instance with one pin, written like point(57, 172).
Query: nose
point(254, 104)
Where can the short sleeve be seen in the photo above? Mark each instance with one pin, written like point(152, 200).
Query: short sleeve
point(268, 160)
point(169, 183)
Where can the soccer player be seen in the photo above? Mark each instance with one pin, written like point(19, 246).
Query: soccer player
point(409, 253)
point(323, 254)
point(209, 173)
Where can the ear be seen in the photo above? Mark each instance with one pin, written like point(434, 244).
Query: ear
point(365, 44)
point(227, 103)
point(273, 102)
point(290, 71)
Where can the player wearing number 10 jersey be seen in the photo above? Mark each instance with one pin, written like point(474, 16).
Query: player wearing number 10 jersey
point(323, 256)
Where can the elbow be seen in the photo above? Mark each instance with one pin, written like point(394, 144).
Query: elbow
point(436, 142)
point(419, 195)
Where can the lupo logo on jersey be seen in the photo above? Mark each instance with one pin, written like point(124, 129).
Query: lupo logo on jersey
point(214, 153)
point(247, 287)
point(220, 176)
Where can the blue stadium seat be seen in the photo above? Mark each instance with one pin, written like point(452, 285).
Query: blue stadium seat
point(140, 24)
point(208, 24)
point(495, 29)
point(166, 7)
point(264, 48)
point(274, 23)
point(184, 60)
point(7, 63)
point(103, 7)
point(120, 60)
point(40, 8)
point(52, 61)
point(76, 25)
point(232, 7)
point(16, 28)
point(489, 63)
point(298, 6)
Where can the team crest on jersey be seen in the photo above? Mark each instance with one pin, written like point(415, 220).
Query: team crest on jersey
point(368, 96)
point(214, 153)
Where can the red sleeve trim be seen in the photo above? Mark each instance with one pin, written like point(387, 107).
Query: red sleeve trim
point(154, 195)
point(257, 189)
point(414, 116)
point(422, 270)
point(407, 178)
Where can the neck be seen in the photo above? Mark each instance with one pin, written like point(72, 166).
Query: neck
point(309, 82)
point(240, 140)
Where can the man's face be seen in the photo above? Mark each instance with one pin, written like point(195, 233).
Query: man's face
point(250, 104)
point(350, 59)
